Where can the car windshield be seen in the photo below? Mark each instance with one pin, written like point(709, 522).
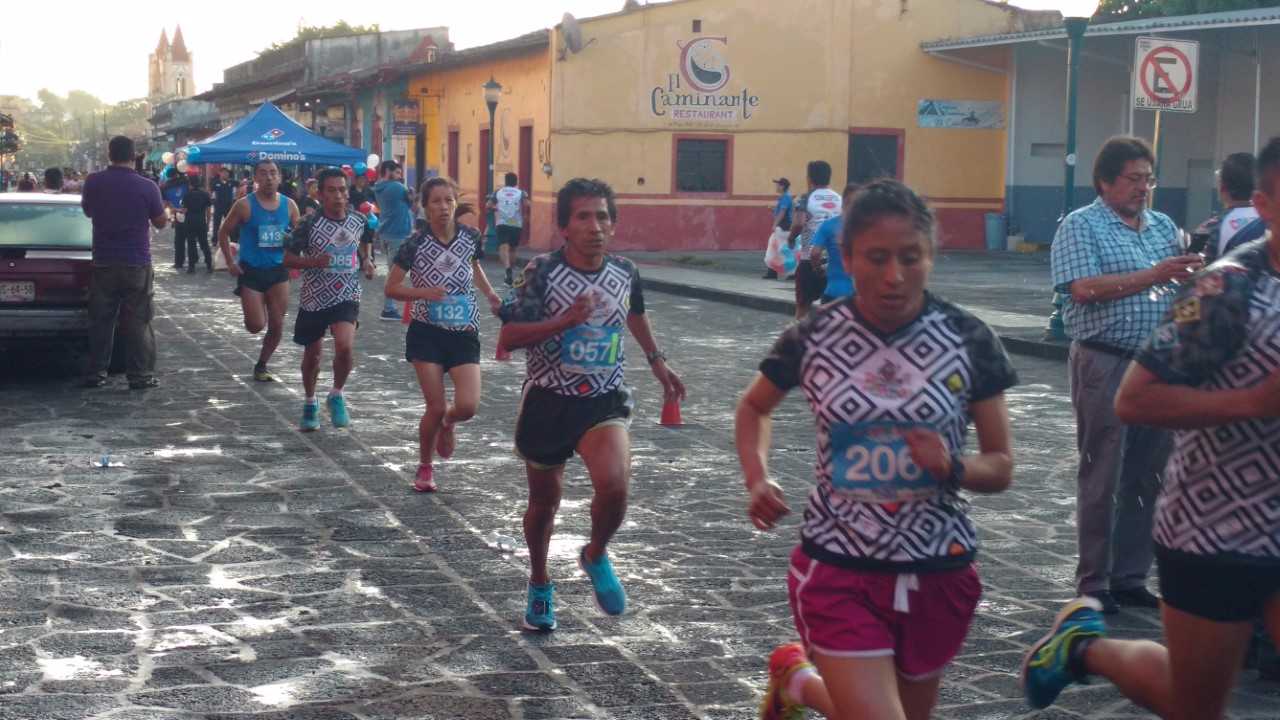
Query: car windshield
point(45, 225)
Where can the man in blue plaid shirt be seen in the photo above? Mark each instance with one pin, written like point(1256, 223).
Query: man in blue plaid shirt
point(1116, 262)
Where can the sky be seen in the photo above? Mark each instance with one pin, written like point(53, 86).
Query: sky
point(105, 55)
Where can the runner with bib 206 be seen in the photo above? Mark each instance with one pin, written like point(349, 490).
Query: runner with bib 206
point(331, 247)
point(444, 336)
point(570, 312)
point(263, 219)
point(883, 585)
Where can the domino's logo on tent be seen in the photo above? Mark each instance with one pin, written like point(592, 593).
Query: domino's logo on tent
point(253, 154)
point(273, 134)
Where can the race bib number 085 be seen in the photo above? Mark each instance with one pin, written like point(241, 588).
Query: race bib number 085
point(342, 259)
point(871, 462)
point(591, 349)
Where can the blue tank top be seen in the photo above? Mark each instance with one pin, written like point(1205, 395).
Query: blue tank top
point(262, 237)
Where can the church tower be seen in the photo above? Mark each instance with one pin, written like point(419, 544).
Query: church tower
point(170, 68)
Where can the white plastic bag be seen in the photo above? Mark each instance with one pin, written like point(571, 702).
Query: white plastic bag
point(773, 258)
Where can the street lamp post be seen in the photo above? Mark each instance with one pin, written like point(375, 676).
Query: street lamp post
point(492, 91)
point(1075, 19)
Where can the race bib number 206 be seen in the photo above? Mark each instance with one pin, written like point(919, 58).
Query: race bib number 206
point(871, 462)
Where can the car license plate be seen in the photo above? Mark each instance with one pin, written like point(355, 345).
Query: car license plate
point(16, 292)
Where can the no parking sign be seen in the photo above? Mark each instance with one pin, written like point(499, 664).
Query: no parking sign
point(1166, 74)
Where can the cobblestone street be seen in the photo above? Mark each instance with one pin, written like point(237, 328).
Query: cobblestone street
point(228, 566)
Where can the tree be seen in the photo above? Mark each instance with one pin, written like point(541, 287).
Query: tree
point(1116, 10)
point(339, 29)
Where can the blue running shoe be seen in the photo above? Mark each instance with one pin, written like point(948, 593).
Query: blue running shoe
point(1046, 670)
point(610, 597)
point(540, 612)
point(310, 417)
point(338, 411)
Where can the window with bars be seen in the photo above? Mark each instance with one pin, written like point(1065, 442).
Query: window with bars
point(702, 165)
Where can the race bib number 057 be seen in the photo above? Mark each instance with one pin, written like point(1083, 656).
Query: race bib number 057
point(871, 462)
point(591, 349)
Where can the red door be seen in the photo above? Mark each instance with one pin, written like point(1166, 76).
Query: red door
point(485, 177)
point(453, 155)
point(526, 173)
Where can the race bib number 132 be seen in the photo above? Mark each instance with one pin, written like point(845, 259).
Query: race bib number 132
point(871, 462)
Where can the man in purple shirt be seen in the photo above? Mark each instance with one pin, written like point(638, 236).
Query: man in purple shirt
point(122, 204)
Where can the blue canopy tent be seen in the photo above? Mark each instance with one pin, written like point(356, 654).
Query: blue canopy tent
point(270, 134)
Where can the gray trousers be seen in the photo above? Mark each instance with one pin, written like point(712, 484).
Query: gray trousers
point(124, 292)
point(1121, 468)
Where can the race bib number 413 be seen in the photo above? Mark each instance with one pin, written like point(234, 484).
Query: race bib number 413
point(871, 462)
point(270, 237)
point(591, 349)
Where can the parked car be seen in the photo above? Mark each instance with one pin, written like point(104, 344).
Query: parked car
point(46, 258)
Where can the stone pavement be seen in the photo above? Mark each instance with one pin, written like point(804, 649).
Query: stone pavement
point(1011, 292)
point(228, 567)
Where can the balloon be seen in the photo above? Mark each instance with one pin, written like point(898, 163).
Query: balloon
point(193, 153)
point(372, 160)
point(366, 208)
point(193, 172)
point(370, 174)
point(372, 220)
point(346, 170)
point(167, 157)
point(182, 166)
point(360, 168)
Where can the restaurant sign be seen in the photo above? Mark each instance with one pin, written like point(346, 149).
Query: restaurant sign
point(697, 94)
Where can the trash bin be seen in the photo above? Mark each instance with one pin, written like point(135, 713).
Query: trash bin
point(995, 231)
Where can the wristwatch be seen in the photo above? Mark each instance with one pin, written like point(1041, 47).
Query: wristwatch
point(655, 356)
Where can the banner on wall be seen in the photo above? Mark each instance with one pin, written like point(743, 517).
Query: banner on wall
point(406, 119)
point(971, 114)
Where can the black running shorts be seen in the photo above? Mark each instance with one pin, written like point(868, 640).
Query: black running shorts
point(447, 348)
point(310, 325)
point(550, 425)
point(1215, 590)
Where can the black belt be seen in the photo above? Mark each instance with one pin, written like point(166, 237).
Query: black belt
point(1107, 349)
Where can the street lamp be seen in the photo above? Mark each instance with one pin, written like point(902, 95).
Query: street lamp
point(492, 92)
point(1075, 19)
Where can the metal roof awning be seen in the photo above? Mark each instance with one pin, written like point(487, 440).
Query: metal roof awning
point(1182, 23)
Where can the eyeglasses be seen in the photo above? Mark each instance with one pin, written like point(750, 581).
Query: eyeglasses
point(1141, 179)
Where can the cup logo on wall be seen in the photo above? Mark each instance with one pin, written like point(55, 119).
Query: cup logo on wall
point(702, 64)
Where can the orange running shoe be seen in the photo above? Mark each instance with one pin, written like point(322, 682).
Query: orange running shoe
point(784, 662)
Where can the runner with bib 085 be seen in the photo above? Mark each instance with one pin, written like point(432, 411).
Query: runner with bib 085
point(883, 584)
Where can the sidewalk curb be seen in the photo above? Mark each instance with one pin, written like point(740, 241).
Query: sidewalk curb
point(1016, 345)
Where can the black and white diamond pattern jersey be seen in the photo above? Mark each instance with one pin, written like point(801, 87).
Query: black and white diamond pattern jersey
point(323, 287)
point(928, 372)
point(1221, 492)
point(431, 263)
point(549, 286)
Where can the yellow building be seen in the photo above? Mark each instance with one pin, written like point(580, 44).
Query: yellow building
point(690, 108)
point(456, 118)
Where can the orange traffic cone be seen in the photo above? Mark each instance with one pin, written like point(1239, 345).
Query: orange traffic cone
point(405, 317)
point(501, 353)
point(671, 412)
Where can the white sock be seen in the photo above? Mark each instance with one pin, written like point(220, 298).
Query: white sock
point(311, 400)
point(795, 686)
point(333, 392)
